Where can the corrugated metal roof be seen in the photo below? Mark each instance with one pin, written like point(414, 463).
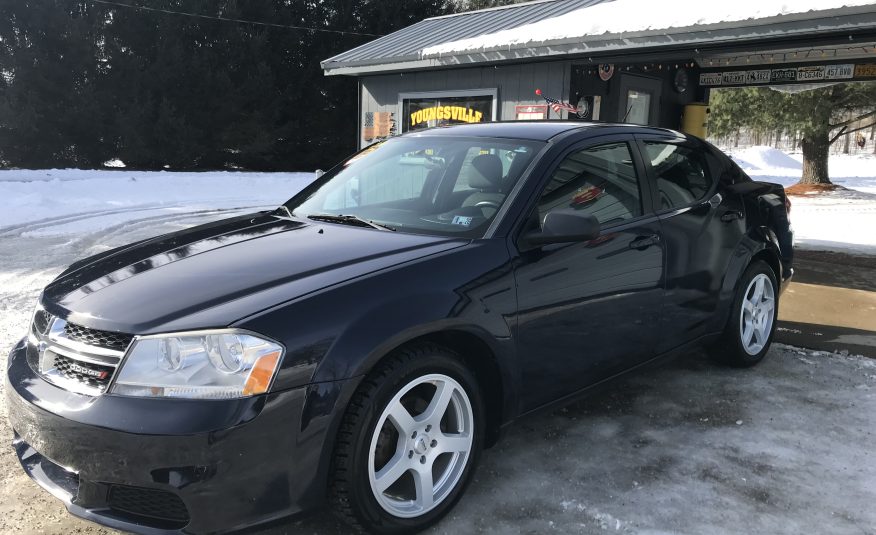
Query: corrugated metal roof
point(407, 48)
point(408, 42)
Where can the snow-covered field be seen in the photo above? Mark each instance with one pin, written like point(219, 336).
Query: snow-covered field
point(836, 221)
point(72, 201)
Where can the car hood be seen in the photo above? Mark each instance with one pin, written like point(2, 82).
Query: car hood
point(216, 274)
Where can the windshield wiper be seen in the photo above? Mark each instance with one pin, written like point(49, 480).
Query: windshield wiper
point(349, 220)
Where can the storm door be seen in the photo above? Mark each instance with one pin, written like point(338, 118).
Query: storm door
point(640, 100)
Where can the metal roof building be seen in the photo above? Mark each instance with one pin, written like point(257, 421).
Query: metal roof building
point(404, 47)
point(617, 60)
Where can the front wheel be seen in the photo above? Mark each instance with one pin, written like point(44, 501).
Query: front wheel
point(749, 331)
point(408, 443)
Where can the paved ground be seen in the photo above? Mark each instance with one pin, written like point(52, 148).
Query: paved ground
point(690, 447)
point(831, 303)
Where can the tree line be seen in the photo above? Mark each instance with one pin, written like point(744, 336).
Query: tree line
point(816, 117)
point(86, 81)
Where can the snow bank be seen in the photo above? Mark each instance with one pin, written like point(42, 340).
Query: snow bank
point(67, 201)
point(760, 158)
point(630, 16)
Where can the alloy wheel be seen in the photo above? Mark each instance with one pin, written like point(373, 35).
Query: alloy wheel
point(421, 445)
point(757, 315)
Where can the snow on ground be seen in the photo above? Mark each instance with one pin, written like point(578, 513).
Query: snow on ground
point(69, 201)
point(835, 221)
point(632, 16)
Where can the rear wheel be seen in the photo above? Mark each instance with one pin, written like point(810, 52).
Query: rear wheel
point(408, 443)
point(749, 331)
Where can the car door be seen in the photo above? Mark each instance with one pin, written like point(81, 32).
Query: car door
point(701, 226)
point(589, 310)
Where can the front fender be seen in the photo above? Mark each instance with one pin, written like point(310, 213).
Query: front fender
point(344, 330)
point(403, 320)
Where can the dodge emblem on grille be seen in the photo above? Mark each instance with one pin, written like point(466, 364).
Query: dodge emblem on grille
point(87, 371)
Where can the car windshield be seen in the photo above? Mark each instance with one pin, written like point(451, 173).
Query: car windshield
point(427, 185)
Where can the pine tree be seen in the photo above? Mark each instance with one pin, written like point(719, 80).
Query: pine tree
point(50, 60)
point(822, 115)
point(82, 83)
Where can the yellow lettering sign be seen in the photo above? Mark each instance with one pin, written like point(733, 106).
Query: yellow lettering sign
point(444, 113)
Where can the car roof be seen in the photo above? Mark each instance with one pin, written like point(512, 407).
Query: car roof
point(537, 130)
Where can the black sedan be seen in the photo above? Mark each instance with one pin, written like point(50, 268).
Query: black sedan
point(363, 343)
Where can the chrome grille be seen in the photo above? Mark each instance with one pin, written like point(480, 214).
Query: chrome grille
point(75, 357)
point(41, 321)
point(94, 337)
point(86, 373)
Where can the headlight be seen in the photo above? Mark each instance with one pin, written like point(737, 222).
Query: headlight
point(221, 364)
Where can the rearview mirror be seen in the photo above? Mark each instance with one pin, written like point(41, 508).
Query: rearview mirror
point(564, 226)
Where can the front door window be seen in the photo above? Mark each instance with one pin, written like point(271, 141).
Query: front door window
point(600, 181)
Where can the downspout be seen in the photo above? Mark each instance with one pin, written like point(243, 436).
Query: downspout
point(358, 113)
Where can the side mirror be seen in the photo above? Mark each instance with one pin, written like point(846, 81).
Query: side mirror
point(564, 226)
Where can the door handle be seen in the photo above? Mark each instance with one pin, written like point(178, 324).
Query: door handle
point(715, 201)
point(643, 242)
point(731, 215)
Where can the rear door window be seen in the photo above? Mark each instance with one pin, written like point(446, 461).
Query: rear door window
point(681, 172)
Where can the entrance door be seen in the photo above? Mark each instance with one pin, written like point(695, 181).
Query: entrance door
point(590, 310)
point(640, 100)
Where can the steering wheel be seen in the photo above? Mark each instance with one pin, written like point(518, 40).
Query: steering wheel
point(487, 204)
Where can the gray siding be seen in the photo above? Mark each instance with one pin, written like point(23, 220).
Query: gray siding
point(516, 85)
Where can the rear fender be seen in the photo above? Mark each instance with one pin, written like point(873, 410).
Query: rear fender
point(759, 242)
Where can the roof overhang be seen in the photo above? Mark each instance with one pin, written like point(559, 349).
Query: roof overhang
point(855, 25)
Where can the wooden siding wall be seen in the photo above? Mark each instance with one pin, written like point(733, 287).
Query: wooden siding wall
point(516, 85)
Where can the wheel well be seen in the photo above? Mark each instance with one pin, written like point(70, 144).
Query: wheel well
point(481, 360)
point(772, 261)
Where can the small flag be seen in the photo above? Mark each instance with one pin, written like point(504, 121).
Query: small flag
point(556, 105)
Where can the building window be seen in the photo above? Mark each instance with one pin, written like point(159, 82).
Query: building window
point(427, 111)
point(638, 107)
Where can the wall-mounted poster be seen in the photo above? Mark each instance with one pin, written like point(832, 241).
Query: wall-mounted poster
point(378, 125)
point(537, 112)
point(421, 111)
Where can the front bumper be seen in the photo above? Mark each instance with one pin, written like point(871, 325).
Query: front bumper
point(174, 466)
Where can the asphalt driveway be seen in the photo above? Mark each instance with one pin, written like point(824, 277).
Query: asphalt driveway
point(831, 303)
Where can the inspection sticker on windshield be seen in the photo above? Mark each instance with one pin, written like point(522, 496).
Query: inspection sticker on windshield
point(462, 220)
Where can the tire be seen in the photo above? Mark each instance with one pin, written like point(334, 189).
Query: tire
point(392, 441)
point(749, 331)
